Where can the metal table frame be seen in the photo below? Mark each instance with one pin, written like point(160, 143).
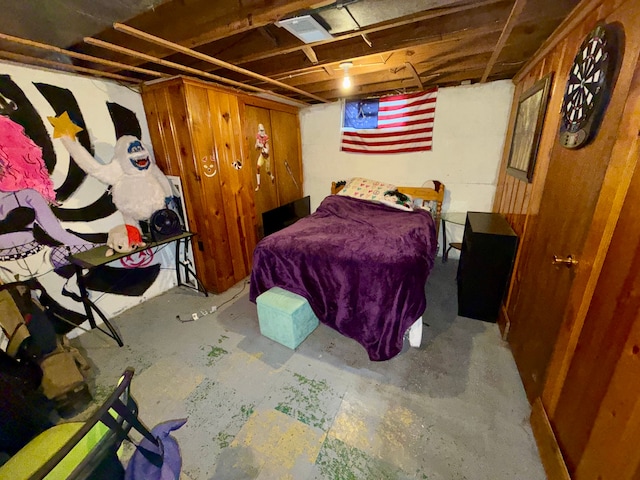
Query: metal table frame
point(97, 257)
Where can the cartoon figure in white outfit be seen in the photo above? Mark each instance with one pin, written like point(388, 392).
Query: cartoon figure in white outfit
point(262, 145)
point(138, 186)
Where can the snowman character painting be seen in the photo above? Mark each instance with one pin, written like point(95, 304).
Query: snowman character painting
point(138, 186)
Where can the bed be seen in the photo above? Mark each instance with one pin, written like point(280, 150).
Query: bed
point(361, 265)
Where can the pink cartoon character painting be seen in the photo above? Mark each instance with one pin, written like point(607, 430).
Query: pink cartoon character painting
point(29, 230)
point(262, 146)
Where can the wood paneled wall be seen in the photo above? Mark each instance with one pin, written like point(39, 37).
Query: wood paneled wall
point(587, 419)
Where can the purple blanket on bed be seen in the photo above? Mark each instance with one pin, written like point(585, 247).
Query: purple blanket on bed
point(362, 267)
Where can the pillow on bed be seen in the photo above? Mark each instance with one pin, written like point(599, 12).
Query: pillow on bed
point(395, 199)
point(366, 189)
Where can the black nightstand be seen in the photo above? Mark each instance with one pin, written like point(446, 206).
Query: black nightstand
point(486, 259)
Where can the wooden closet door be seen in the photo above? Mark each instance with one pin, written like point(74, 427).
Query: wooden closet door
point(266, 197)
point(235, 181)
point(177, 115)
point(287, 156)
point(203, 174)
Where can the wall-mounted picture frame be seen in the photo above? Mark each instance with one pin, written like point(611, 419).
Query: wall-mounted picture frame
point(532, 106)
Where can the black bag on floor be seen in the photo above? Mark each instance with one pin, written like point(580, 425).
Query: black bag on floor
point(24, 410)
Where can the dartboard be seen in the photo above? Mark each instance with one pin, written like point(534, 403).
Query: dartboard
point(590, 82)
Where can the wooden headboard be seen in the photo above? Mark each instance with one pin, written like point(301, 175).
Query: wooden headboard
point(423, 193)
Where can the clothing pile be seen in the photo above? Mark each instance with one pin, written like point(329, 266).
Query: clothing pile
point(41, 375)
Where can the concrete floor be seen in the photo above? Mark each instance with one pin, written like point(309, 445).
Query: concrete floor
point(452, 409)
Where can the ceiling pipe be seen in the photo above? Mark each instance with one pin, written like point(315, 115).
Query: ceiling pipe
point(68, 67)
point(81, 56)
point(184, 68)
point(207, 58)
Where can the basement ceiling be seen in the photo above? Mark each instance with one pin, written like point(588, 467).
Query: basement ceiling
point(393, 45)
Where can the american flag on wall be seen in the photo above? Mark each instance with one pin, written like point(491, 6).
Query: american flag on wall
point(395, 124)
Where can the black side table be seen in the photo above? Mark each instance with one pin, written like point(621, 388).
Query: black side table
point(488, 251)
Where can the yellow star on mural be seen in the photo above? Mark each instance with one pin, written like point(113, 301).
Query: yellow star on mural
point(63, 126)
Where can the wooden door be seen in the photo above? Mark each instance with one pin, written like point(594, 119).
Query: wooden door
point(287, 157)
point(266, 196)
point(203, 179)
point(560, 227)
point(595, 413)
point(598, 405)
point(178, 119)
point(235, 180)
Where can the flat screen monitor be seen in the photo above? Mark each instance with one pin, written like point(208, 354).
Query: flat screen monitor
point(285, 215)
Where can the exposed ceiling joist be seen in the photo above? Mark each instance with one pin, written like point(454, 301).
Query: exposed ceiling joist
point(81, 56)
point(45, 62)
point(415, 75)
point(518, 6)
point(207, 58)
point(395, 46)
point(430, 55)
point(199, 22)
point(177, 66)
point(253, 55)
point(327, 55)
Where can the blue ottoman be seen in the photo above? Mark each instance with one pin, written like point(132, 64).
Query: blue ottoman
point(285, 317)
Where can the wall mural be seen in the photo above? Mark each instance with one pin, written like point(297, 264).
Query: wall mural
point(33, 239)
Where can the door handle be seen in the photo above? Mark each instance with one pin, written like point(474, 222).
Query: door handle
point(568, 262)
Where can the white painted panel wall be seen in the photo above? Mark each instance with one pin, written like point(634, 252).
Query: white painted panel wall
point(468, 139)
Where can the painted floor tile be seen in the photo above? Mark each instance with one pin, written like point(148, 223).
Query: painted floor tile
point(275, 445)
point(312, 401)
point(340, 461)
point(216, 414)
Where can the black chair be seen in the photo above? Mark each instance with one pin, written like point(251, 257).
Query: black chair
point(82, 450)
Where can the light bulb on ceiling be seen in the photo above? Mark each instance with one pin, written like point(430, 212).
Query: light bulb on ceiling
point(346, 81)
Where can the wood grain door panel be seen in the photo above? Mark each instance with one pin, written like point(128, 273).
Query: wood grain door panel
point(266, 197)
point(170, 130)
point(235, 182)
point(571, 191)
point(286, 155)
point(207, 173)
point(595, 407)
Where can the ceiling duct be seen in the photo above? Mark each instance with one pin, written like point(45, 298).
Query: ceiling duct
point(306, 28)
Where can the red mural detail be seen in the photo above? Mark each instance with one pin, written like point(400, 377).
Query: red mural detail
point(138, 259)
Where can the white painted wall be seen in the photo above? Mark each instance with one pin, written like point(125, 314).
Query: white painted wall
point(468, 139)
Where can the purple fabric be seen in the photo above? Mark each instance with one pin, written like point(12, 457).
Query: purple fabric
point(141, 468)
point(362, 266)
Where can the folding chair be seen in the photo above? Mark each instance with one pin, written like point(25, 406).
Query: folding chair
point(82, 450)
